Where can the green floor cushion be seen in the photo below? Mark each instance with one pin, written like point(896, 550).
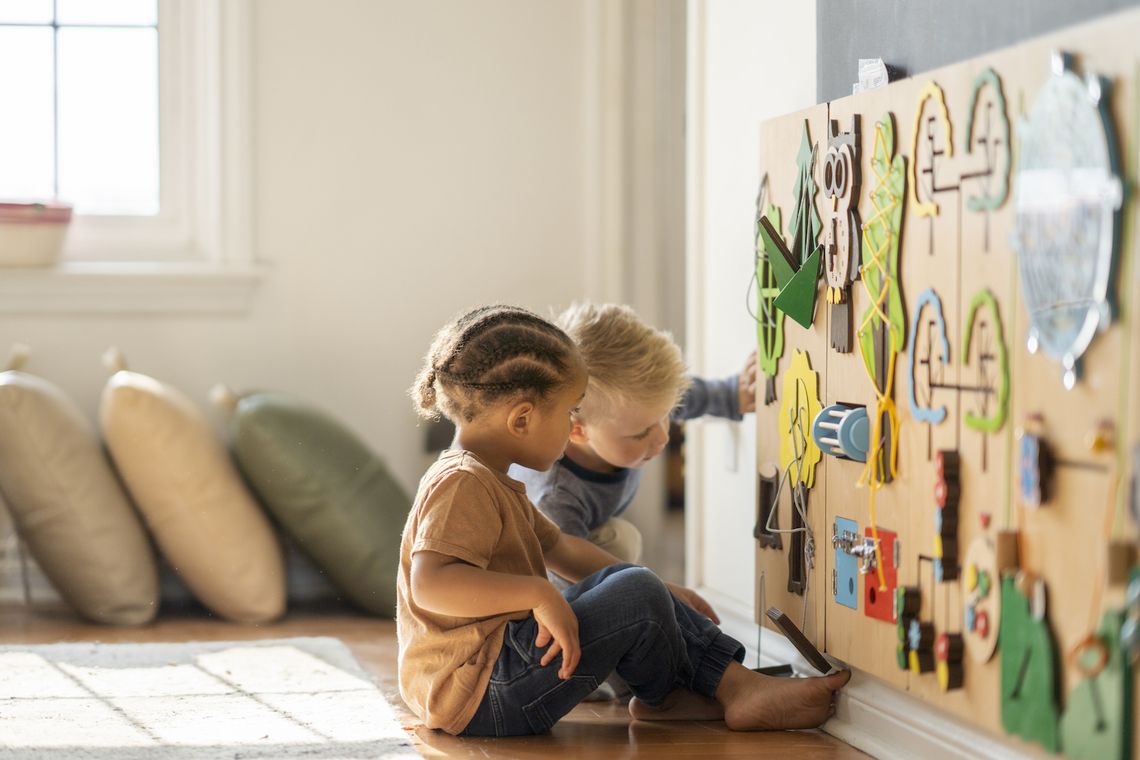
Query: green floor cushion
point(69, 508)
point(206, 523)
point(330, 492)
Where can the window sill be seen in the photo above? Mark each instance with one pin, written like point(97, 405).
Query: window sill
point(129, 288)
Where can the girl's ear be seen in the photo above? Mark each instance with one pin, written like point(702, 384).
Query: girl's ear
point(520, 419)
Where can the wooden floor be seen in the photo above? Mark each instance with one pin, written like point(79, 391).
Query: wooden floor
point(599, 730)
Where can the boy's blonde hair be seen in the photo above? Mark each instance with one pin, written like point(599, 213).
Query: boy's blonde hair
point(627, 360)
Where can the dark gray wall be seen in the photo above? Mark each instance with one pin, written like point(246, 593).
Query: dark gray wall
point(919, 35)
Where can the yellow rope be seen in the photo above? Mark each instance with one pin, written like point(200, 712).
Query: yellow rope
point(874, 474)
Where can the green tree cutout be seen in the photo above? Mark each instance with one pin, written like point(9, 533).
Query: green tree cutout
point(880, 256)
point(769, 319)
point(805, 219)
point(882, 330)
point(798, 275)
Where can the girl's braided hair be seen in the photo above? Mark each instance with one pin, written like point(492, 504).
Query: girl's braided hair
point(488, 354)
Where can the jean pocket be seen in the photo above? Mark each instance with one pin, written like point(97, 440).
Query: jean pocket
point(545, 711)
point(519, 638)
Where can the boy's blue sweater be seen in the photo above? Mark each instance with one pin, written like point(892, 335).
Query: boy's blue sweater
point(579, 500)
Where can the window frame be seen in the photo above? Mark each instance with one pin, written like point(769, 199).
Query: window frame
point(197, 253)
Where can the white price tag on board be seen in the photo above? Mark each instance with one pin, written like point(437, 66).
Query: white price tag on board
point(872, 74)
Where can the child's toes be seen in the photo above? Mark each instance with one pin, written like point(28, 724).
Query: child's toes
point(838, 680)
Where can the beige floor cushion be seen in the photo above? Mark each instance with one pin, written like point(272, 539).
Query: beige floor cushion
point(69, 508)
point(206, 523)
point(330, 492)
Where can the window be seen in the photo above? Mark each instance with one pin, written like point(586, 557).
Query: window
point(87, 125)
point(125, 109)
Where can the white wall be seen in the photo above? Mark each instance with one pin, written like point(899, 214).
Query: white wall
point(413, 159)
point(749, 60)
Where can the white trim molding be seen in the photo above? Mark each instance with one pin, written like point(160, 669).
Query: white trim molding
point(129, 288)
point(604, 176)
point(694, 281)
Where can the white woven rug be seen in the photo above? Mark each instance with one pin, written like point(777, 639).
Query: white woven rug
point(283, 698)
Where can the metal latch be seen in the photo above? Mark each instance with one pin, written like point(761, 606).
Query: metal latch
point(857, 546)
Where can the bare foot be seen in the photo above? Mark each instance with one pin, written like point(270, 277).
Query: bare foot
point(755, 702)
point(680, 704)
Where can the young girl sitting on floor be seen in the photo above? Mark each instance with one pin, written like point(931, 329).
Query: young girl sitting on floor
point(488, 647)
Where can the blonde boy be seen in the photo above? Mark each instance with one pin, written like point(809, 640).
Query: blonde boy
point(638, 382)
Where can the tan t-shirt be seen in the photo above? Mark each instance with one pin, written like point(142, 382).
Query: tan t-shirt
point(465, 510)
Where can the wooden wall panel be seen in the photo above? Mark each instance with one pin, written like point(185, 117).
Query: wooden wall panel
point(1130, 277)
point(971, 254)
point(866, 643)
point(772, 565)
point(960, 252)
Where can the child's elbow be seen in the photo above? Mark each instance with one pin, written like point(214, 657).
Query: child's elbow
point(420, 582)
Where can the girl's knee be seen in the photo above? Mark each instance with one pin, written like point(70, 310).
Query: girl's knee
point(642, 584)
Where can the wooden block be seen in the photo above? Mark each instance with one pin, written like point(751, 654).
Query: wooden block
point(1121, 558)
point(767, 510)
point(797, 569)
point(907, 602)
point(841, 326)
point(948, 649)
point(879, 603)
point(920, 641)
point(801, 642)
point(1005, 549)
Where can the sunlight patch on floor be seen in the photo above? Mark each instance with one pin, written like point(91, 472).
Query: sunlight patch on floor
point(229, 698)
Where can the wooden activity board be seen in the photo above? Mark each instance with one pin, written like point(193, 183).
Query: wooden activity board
point(946, 278)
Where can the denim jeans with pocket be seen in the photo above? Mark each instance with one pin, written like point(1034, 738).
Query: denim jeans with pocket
point(628, 622)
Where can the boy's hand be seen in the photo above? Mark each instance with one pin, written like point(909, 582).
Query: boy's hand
point(694, 600)
point(746, 385)
point(558, 623)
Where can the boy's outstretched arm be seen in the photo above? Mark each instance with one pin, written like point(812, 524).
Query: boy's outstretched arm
point(449, 586)
point(731, 397)
point(746, 385)
point(575, 558)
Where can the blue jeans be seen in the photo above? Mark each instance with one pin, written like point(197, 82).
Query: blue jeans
point(628, 622)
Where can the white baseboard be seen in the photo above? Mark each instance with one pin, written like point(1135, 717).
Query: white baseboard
point(869, 715)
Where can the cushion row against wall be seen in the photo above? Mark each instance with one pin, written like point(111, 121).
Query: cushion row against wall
point(332, 495)
point(192, 499)
point(328, 491)
point(67, 506)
